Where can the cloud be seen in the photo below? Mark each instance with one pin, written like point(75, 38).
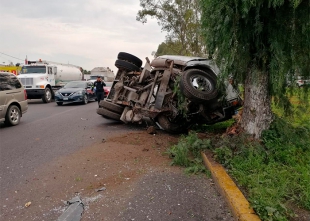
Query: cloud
point(85, 33)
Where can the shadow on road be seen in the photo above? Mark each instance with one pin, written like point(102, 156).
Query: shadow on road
point(39, 101)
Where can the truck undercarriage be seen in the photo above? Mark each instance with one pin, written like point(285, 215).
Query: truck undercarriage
point(174, 91)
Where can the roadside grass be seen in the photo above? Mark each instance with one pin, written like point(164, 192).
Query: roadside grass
point(273, 173)
point(187, 153)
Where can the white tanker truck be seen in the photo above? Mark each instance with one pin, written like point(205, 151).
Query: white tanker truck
point(41, 78)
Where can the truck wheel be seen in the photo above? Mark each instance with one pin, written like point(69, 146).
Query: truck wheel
point(130, 58)
point(47, 97)
point(126, 65)
point(12, 116)
point(170, 126)
point(111, 106)
point(59, 103)
point(85, 99)
point(108, 114)
point(198, 85)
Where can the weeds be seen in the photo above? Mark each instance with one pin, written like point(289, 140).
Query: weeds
point(187, 153)
point(216, 128)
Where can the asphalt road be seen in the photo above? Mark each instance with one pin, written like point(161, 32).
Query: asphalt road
point(46, 132)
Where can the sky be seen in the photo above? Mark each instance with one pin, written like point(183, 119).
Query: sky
point(87, 33)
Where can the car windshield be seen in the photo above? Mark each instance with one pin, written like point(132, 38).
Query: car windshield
point(33, 69)
point(75, 84)
point(108, 84)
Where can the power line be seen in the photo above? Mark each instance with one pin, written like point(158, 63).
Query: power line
point(11, 56)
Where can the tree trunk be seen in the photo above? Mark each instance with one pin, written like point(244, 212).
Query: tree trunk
point(257, 115)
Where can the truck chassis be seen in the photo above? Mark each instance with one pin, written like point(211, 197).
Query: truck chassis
point(176, 92)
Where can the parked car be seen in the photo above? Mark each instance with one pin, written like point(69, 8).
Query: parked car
point(13, 99)
point(174, 91)
point(75, 91)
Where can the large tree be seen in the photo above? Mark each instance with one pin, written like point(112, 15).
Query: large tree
point(262, 43)
point(181, 20)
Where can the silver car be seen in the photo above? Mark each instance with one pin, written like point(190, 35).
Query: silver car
point(13, 99)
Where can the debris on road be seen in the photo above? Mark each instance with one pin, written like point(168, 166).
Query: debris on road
point(74, 211)
point(28, 204)
point(101, 189)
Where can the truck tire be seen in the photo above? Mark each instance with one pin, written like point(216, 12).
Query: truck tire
point(169, 126)
point(108, 114)
point(126, 65)
point(111, 106)
point(85, 99)
point(130, 58)
point(12, 116)
point(198, 85)
point(47, 97)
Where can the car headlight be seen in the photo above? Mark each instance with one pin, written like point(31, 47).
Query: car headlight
point(78, 93)
point(57, 93)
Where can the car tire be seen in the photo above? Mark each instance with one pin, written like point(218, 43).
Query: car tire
point(13, 115)
point(47, 97)
point(172, 127)
point(85, 99)
point(130, 58)
point(59, 103)
point(111, 106)
point(202, 91)
point(126, 65)
point(108, 114)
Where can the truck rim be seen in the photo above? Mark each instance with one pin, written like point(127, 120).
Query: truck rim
point(48, 95)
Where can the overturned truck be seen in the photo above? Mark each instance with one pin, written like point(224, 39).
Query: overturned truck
point(176, 92)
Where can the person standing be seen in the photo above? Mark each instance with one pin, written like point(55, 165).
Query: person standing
point(99, 85)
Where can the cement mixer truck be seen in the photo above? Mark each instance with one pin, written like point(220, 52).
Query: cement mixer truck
point(42, 78)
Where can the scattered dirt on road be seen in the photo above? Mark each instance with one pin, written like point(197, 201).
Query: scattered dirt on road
point(139, 184)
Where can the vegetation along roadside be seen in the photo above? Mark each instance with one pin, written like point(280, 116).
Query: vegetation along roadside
point(272, 172)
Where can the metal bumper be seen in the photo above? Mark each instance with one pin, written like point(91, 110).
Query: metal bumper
point(35, 93)
point(78, 98)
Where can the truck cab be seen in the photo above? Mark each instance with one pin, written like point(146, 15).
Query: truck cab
point(38, 80)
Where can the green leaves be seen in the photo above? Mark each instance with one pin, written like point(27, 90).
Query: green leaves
point(181, 20)
point(260, 32)
point(187, 153)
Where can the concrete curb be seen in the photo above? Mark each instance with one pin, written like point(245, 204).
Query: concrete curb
point(237, 202)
